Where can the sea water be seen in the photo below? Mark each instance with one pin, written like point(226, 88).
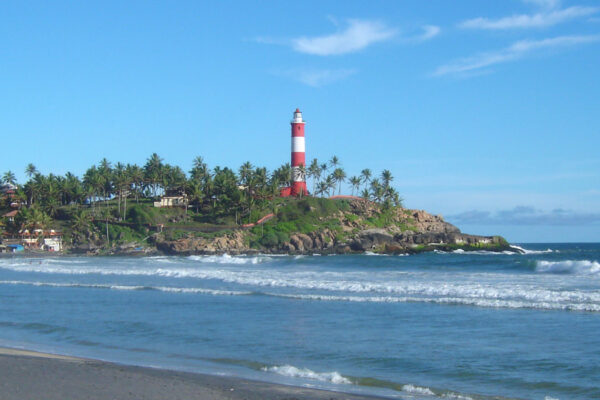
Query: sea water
point(438, 325)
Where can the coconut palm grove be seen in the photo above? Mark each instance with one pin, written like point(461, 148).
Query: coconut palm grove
point(114, 203)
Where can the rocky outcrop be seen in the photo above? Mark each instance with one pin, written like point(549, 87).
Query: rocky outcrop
point(233, 243)
point(404, 231)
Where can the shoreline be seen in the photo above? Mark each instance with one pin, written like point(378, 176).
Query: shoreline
point(31, 374)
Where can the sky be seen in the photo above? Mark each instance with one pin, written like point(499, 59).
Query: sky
point(486, 112)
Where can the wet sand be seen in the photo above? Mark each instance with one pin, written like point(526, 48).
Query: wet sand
point(32, 375)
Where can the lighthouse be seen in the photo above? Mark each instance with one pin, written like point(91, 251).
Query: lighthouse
point(298, 156)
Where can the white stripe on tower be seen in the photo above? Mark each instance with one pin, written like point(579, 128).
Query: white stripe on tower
point(298, 144)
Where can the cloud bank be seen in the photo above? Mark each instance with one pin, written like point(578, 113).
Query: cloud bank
point(514, 52)
point(526, 215)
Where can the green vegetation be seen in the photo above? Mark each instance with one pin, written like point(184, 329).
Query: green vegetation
point(305, 215)
point(114, 203)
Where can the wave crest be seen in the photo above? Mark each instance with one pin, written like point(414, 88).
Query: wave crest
point(227, 259)
point(305, 373)
point(584, 267)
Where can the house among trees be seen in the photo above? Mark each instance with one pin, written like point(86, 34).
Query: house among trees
point(180, 200)
point(49, 240)
point(10, 216)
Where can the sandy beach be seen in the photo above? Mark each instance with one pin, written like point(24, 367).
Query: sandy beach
point(32, 375)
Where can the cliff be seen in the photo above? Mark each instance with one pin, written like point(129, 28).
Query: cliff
point(313, 225)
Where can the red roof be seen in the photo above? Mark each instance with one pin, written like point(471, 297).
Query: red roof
point(11, 213)
point(297, 110)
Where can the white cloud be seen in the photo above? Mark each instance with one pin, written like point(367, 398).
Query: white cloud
point(317, 77)
point(429, 32)
point(546, 4)
point(356, 36)
point(538, 20)
point(516, 51)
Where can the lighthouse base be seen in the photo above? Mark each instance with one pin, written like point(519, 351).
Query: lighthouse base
point(297, 189)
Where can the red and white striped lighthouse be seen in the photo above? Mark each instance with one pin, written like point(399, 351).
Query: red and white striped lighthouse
point(298, 155)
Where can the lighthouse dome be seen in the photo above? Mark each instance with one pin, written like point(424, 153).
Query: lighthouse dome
point(297, 116)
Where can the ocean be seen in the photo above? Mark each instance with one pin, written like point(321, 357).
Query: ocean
point(430, 326)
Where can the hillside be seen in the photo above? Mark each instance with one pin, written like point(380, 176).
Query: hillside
point(317, 225)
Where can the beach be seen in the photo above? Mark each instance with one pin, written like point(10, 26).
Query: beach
point(32, 375)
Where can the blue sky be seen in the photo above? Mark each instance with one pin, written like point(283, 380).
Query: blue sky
point(485, 112)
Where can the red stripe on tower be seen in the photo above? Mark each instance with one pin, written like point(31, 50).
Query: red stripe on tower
point(298, 155)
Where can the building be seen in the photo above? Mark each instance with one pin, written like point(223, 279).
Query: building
point(172, 201)
point(49, 240)
point(298, 187)
point(10, 216)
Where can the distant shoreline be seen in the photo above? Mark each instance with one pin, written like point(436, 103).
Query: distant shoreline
point(30, 374)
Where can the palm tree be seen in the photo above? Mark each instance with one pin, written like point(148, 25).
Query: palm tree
point(92, 184)
point(386, 177)
point(9, 177)
point(377, 190)
point(355, 182)
point(365, 194)
point(136, 177)
point(81, 225)
point(105, 174)
point(334, 162)
point(121, 183)
point(245, 173)
point(330, 183)
point(200, 171)
point(301, 172)
point(365, 175)
point(314, 171)
point(339, 175)
point(283, 175)
point(153, 172)
point(322, 188)
point(392, 194)
point(195, 192)
point(31, 170)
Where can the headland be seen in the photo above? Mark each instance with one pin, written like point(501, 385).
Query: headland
point(157, 208)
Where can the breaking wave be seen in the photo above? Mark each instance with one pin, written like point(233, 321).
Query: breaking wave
point(526, 251)
point(582, 267)
point(490, 298)
point(417, 390)
point(305, 373)
point(130, 287)
point(466, 301)
point(227, 259)
point(337, 378)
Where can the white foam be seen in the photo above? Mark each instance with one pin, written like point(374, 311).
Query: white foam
point(305, 373)
point(227, 259)
point(215, 292)
point(479, 302)
point(526, 251)
point(417, 390)
point(456, 396)
point(585, 267)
